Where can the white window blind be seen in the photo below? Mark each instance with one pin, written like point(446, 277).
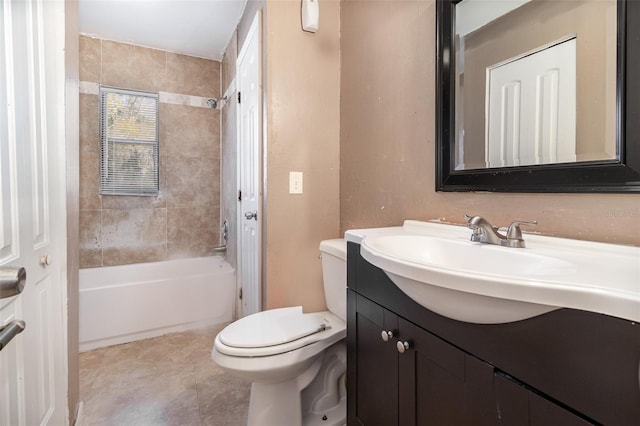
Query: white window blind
point(129, 142)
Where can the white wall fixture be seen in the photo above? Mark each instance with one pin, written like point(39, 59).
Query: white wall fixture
point(310, 15)
point(295, 182)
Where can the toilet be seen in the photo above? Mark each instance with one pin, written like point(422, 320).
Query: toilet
point(296, 361)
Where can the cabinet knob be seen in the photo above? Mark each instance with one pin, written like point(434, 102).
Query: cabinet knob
point(386, 335)
point(402, 346)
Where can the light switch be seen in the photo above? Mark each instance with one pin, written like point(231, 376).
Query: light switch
point(295, 182)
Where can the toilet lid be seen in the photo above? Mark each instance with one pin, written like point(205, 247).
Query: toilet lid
point(271, 328)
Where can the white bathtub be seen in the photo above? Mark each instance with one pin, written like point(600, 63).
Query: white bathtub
point(120, 304)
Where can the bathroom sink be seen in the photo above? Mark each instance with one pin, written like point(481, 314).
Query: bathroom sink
point(438, 267)
point(463, 255)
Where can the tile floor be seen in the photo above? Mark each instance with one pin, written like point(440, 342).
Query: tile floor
point(168, 380)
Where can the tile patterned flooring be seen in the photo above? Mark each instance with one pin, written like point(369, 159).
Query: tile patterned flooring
point(168, 380)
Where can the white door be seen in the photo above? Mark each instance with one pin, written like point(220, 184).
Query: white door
point(249, 85)
point(33, 372)
point(531, 109)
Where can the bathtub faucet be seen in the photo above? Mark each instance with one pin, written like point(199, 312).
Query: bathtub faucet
point(225, 234)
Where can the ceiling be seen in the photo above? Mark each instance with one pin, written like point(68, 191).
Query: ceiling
point(200, 28)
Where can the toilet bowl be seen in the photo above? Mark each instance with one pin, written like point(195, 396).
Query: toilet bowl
point(296, 361)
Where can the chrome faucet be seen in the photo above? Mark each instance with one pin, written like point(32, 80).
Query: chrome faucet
point(484, 232)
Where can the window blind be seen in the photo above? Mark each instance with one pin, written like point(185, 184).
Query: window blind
point(129, 142)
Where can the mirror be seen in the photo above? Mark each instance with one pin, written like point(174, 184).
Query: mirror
point(532, 96)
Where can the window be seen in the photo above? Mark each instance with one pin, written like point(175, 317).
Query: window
point(129, 142)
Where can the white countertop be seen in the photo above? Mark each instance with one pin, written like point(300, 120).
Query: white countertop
point(605, 278)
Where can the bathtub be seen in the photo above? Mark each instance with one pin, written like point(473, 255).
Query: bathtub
point(120, 304)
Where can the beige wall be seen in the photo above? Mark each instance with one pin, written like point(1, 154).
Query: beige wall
point(387, 136)
point(302, 98)
point(183, 221)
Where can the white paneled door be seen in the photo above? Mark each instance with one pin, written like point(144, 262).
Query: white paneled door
point(249, 85)
point(531, 109)
point(33, 372)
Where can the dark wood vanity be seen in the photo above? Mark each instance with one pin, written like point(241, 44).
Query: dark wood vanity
point(566, 367)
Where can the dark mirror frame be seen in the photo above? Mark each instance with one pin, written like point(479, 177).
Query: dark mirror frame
point(620, 175)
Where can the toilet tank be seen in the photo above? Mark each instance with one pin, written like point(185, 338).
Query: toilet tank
point(334, 275)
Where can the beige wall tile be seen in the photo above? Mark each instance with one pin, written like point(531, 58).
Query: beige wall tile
point(90, 258)
point(89, 181)
point(89, 152)
point(193, 76)
point(189, 131)
point(124, 202)
point(133, 236)
point(90, 236)
point(90, 59)
point(192, 232)
point(135, 228)
point(388, 130)
point(113, 256)
point(89, 123)
point(193, 182)
point(90, 239)
point(133, 67)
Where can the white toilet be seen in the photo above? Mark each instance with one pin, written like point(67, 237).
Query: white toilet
point(295, 361)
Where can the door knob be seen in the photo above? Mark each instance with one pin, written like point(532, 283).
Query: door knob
point(10, 331)
point(251, 215)
point(12, 280)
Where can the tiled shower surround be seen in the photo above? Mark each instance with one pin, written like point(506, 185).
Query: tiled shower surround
point(184, 219)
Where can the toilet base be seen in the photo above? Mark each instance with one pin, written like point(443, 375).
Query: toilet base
point(335, 416)
point(316, 397)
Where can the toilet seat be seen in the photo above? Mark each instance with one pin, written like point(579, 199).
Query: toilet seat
point(276, 331)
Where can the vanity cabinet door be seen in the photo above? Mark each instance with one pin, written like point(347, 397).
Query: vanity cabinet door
point(412, 377)
point(517, 405)
point(451, 387)
point(376, 391)
point(425, 382)
point(544, 412)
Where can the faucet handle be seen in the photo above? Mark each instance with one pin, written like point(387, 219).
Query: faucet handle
point(473, 221)
point(514, 232)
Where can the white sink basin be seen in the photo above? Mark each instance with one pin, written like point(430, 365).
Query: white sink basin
point(463, 255)
point(438, 267)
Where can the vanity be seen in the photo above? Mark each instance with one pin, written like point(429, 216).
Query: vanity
point(545, 346)
point(445, 329)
